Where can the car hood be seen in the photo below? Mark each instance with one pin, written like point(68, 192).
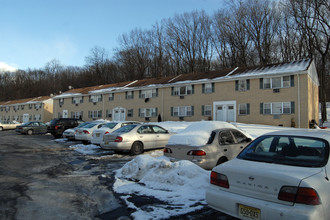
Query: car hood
point(262, 180)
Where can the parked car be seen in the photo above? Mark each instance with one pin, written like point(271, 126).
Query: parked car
point(33, 127)
point(84, 133)
point(280, 175)
point(59, 125)
point(107, 128)
point(71, 132)
point(4, 125)
point(223, 144)
point(136, 138)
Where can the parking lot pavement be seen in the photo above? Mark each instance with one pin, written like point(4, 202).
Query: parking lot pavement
point(43, 179)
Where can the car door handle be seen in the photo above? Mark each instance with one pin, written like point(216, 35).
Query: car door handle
point(241, 147)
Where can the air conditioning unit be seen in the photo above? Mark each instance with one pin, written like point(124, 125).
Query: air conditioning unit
point(181, 97)
point(181, 118)
point(76, 104)
point(94, 103)
point(276, 90)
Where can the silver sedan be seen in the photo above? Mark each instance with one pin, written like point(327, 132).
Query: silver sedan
point(136, 138)
point(223, 145)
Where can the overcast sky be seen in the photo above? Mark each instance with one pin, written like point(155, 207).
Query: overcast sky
point(34, 32)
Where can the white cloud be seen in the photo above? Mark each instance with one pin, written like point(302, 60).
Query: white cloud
point(4, 67)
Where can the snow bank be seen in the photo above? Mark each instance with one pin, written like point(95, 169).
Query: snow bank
point(85, 149)
point(180, 184)
point(197, 133)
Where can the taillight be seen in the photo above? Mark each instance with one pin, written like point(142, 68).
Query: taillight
point(107, 132)
point(219, 180)
point(86, 132)
point(118, 139)
point(303, 195)
point(196, 153)
point(57, 127)
point(167, 150)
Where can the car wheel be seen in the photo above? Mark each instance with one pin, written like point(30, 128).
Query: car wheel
point(85, 142)
point(222, 160)
point(1, 128)
point(137, 148)
point(30, 132)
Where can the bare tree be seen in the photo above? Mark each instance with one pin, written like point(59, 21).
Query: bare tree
point(96, 63)
point(313, 19)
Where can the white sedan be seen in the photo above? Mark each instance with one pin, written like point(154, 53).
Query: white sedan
point(84, 134)
point(107, 128)
point(280, 175)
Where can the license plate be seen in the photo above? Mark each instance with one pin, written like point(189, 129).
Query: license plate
point(248, 212)
point(97, 135)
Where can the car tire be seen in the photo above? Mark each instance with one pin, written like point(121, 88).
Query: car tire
point(30, 132)
point(222, 160)
point(57, 135)
point(1, 128)
point(85, 142)
point(137, 148)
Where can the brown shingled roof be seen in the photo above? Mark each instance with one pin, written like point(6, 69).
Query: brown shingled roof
point(20, 101)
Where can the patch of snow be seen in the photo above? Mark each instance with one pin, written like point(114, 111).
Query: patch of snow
point(180, 184)
point(85, 149)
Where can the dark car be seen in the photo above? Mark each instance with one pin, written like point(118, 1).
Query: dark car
point(32, 127)
point(59, 125)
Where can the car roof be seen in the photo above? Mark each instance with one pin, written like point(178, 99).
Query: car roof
point(316, 133)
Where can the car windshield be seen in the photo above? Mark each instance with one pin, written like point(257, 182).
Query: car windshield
point(53, 122)
point(125, 129)
point(288, 150)
point(26, 124)
point(109, 125)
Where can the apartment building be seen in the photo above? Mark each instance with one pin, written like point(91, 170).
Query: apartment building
point(283, 94)
point(25, 110)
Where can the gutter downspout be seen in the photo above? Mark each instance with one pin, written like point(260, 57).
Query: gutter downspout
point(299, 121)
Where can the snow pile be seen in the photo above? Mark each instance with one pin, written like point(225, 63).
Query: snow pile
point(85, 149)
point(173, 126)
point(197, 133)
point(181, 185)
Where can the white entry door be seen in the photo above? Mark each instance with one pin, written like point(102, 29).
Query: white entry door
point(65, 114)
point(25, 118)
point(225, 111)
point(119, 114)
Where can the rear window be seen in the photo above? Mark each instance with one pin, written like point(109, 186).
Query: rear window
point(110, 125)
point(125, 129)
point(288, 150)
point(53, 122)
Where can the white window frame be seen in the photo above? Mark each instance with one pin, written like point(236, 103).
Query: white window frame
point(242, 85)
point(207, 110)
point(95, 114)
point(148, 93)
point(96, 98)
point(182, 111)
point(208, 87)
point(148, 112)
point(277, 108)
point(243, 109)
point(269, 83)
point(77, 100)
point(130, 95)
point(183, 90)
point(111, 96)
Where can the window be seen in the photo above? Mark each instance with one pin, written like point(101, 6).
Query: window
point(108, 113)
point(61, 102)
point(277, 108)
point(37, 117)
point(95, 114)
point(244, 109)
point(182, 111)
point(147, 112)
point(77, 100)
point(22, 107)
point(183, 90)
point(130, 113)
point(208, 88)
point(242, 85)
point(207, 110)
point(111, 96)
point(277, 82)
point(149, 93)
point(95, 98)
point(76, 114)
point(130, 95)
point(225, 138)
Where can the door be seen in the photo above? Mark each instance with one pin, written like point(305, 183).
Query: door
point(65, 114)
point(225, 112)
point(119, 114)
point(230, 148)
point(147, 136)
point(25, 118)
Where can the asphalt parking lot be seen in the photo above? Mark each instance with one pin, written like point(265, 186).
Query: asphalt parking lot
point(43, 179)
